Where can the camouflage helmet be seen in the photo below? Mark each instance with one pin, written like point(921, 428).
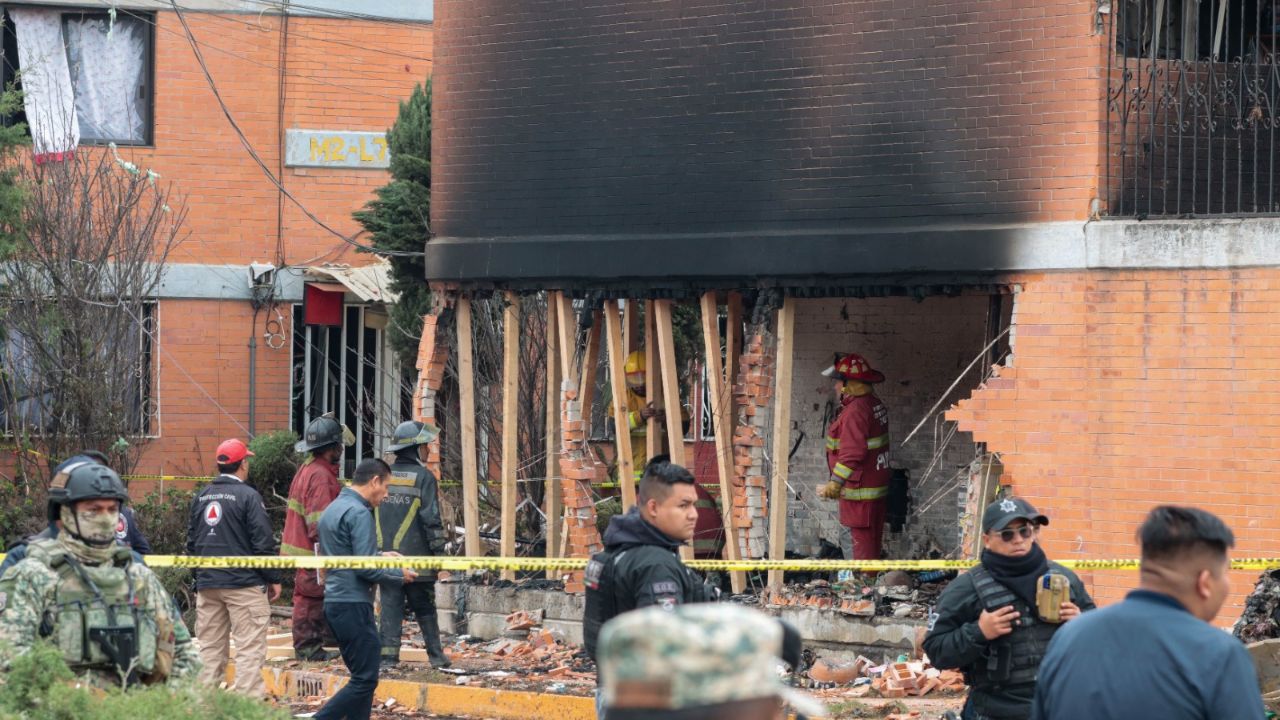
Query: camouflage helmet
point(323, 431)
point(699, 655)
point(411, 433)
point(84, 481)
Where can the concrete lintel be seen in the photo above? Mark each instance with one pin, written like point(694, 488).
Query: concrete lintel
point(192, 281)
point(830, 256)
point(1179, 244)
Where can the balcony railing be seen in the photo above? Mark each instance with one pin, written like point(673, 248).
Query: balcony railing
point(1193, 97)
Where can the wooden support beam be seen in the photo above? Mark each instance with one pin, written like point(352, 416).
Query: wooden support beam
point(551, 489)
point(653, 441)
point(568, 329)
point(467, 408)
point(590, 362)
point(722, 422)
point(618, 386)
point(781, 438)
point(510, 423)
point(733, 347)
point(670, 390)
point(630, 326)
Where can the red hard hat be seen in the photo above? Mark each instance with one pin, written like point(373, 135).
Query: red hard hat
point(854, 367)
point(232, 451)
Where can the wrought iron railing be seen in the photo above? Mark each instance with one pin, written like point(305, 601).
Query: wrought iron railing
point(1193, 97)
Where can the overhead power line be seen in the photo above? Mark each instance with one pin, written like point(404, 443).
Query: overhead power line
point(332, 12)
point(244, 58)
point(244, 141)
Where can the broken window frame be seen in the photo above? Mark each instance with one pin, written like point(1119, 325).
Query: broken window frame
point(333, 388)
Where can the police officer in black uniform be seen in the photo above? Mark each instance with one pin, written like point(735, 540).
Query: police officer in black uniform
point(640, 565)
point(986, 623)
point(408, 522)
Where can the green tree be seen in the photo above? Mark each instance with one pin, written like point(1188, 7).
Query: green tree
point(398, 219)
point(13, 137)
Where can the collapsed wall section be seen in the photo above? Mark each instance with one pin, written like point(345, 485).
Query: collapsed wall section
point(922, 347)
point(1129, 389)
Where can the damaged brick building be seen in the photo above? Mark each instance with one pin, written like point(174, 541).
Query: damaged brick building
point(1050, 224)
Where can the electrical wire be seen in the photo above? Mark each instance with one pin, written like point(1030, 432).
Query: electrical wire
point(316, 38)
point(349, 14)
point(244, 141)
point(326, 82)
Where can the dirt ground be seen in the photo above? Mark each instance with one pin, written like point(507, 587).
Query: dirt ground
point(571, 673)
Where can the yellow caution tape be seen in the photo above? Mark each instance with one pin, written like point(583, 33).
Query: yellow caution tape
point(571, 564)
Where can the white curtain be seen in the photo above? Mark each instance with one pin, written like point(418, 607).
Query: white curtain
point(108, 71)
point(46, 82)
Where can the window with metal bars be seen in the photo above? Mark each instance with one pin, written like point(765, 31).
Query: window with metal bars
point(350, 370)
point(1193, 91)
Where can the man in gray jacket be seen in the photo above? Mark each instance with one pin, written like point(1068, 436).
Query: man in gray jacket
point(346, 528)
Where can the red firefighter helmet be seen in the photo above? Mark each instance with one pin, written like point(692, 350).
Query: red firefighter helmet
point(854, 367)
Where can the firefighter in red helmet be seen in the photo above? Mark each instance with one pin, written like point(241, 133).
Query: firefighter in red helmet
point(858, 455)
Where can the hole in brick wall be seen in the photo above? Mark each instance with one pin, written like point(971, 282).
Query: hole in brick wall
point(931, 352)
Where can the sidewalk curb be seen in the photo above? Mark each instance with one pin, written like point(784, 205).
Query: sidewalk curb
point(438, 698)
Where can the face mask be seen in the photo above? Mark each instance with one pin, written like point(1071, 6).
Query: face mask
point(95, 529)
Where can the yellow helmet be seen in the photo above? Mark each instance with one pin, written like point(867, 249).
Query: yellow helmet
point(635, 370)
point(635, 363)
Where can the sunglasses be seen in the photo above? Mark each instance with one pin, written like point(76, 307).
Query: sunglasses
point(1025, 532)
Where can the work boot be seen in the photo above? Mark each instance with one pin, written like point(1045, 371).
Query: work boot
point(388, 661)
point(319, 655)
point(431, 638)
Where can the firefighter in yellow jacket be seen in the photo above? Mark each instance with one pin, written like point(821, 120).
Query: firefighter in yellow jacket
point(709, 537)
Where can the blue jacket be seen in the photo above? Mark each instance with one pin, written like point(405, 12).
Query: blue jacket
point(346, 528)
point(1146, 657)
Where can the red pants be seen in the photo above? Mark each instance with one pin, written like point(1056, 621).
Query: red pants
point(310, 629)
point(868, 539)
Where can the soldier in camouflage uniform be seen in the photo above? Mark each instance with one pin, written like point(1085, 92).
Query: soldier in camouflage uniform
point(1261, 617)
point(109, 615)
point(708, 661)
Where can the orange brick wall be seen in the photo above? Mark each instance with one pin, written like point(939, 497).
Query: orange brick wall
point(1131, 389)
point(341, 75)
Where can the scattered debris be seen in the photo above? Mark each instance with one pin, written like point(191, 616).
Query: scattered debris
point(892, 680)
point(859, 599)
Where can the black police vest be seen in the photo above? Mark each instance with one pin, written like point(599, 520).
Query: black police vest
point(604, 600)
point(1013, 659)
point(601, 602)
point(399, 518)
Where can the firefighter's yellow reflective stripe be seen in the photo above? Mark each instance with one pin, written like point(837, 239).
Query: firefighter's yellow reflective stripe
point(312, 562)
point(408, 522)
point(876, 443)
point(841, 471)
point(287, 549)
point(396, 479)
point(634, 421)
point(311, 518)
point(864, 493)
point(833, 443)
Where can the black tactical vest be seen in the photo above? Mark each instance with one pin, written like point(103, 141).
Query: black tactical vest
point(1013, 659)
point(408, 519)
point(601, 600)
